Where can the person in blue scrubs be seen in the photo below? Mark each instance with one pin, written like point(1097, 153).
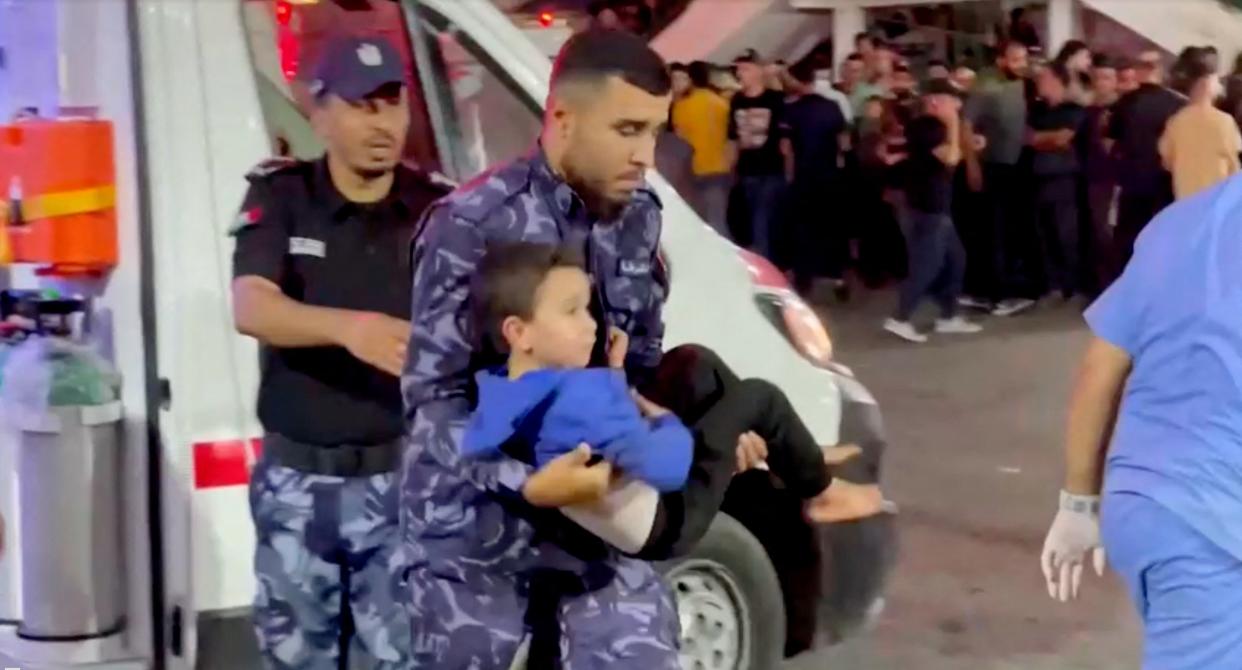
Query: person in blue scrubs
point(1162, 383)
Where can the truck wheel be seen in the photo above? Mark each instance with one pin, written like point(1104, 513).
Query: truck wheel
point(728, 601)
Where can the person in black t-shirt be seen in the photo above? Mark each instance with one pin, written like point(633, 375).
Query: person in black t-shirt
point(1137, 123)
point(937, 259)
point(322, 280)
point(1054, 124)
point(755, 123)
point(813, 126)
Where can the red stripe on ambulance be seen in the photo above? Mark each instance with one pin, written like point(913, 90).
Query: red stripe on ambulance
point(225, 462)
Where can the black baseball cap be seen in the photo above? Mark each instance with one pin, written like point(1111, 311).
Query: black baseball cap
point(354, 67)
point(942, 86)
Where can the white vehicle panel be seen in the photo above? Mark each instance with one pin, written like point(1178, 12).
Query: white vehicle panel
point(206, 130)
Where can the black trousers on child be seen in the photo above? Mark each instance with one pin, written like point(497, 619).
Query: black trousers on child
point(696, 385)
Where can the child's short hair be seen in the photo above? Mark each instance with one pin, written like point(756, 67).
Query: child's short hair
point(507, 280)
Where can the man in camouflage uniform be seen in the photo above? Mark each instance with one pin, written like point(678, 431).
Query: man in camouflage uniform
point(467, 524)
point(321, 279)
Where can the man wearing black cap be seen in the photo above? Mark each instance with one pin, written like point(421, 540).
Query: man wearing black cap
point(321, 279)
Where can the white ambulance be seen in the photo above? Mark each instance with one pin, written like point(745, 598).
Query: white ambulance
point(199, 91)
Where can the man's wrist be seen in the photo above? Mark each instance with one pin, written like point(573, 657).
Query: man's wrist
point(1079, 503)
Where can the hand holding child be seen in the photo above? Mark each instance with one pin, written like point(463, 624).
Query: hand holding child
point(568, 480)
point(618, 347)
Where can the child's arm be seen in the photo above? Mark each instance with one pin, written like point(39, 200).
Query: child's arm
point(657, 452)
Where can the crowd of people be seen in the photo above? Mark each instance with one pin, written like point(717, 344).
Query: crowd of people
point(989, 190)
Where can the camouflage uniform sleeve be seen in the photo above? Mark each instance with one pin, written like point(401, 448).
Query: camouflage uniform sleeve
point(647, 334)
point(437, 375)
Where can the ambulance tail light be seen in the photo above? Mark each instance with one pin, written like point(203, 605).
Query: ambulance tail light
point(787, 311)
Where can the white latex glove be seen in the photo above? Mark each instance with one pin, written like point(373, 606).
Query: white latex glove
point(1075, 532)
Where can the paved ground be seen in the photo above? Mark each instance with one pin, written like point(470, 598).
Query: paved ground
point(975, 425)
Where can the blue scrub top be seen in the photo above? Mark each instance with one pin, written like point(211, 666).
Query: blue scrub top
point(1177, 310)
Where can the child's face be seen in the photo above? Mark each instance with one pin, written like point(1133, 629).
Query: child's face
point(561, 332)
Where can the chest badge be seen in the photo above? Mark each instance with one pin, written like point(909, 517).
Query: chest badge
point(629, 267)
point(304, 246)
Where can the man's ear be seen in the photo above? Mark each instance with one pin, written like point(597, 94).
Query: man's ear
point(562, 115)
point(514, 330)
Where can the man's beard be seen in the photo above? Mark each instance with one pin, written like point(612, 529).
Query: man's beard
point(598, 204)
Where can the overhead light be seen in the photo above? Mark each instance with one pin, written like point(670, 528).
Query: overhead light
point(546, 19)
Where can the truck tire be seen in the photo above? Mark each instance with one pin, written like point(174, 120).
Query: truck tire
point(729, 602)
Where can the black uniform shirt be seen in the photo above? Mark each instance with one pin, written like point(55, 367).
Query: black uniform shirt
point(296, 230)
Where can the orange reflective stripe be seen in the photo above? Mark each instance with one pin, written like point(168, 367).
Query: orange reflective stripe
point(66, 203)
point(6, 250)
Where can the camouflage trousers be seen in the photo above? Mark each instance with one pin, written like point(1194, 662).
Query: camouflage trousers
point(628, 624)
point(329, 571)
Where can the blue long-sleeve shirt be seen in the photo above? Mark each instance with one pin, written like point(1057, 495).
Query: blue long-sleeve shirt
point(557, 410)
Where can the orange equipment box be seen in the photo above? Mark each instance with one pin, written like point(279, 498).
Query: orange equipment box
point(58, 184)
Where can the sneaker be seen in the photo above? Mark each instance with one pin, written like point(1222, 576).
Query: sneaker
point(957, 326)
point(1013, 306)
point(971, 302)
point(905, 330)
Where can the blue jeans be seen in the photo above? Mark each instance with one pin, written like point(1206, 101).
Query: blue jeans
point(711, 200)
point(763, 200)
point(1188, 590)
point(937, 264)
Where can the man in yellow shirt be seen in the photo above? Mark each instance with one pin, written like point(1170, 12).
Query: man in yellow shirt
point(701, 118)
point(1200, 144)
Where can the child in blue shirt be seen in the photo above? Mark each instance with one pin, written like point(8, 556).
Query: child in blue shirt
point(533, 301)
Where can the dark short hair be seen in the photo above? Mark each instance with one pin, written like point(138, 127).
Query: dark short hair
point(803, 71)
point(507, 282)
point(595, 55)
point(1103, 60)
point(1070, 49)
point(864, 36)
point(854, 56)
point(700, 74)
point(905, 69)
point(677, 67)
point(1192, 67)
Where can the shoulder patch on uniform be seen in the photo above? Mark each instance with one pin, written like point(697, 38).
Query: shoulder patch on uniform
point(246, 218)
point(271, 166)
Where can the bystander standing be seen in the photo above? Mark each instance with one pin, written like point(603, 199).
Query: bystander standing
point(1200, 144)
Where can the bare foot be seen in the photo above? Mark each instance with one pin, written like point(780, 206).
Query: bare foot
point(845, 501)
